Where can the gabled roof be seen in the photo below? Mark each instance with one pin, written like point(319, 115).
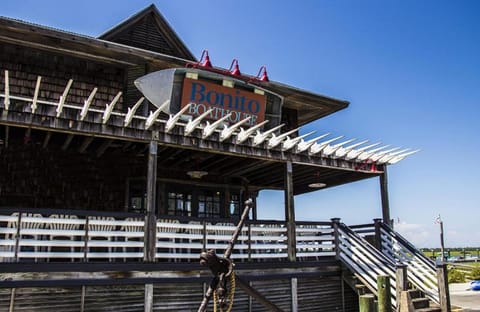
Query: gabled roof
point(149, 30)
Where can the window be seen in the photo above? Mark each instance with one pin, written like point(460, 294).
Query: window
point(209, 204)
point(234, 205)
point(179, 204)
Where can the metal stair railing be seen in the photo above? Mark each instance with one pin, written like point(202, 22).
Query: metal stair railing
point(364, 260)
point(421, 270)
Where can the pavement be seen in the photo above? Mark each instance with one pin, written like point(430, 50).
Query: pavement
point(462, 296)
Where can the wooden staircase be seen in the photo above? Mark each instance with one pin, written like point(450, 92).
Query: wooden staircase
point(414, 300)
point(390, 256)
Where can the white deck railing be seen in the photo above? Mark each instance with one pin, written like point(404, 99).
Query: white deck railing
point(64, 237)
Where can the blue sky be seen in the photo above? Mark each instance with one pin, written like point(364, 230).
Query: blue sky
point(411, 70)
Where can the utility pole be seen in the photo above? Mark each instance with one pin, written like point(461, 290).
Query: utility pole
point(442, 244)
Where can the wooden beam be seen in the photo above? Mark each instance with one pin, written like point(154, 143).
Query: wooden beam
point(384, 196)
point(67, 142)
point(7, 132)
point(85, 144)
point(290, 212)
point(103, 147)
point(150, 219)
point(255, 294)
point(6, 100)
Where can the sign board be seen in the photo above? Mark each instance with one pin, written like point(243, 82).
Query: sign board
point(205, 90)
point(204, 95)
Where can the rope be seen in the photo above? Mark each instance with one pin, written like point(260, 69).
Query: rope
point(231, 295)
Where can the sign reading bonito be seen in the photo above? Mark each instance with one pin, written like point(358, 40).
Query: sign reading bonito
point(204, 95)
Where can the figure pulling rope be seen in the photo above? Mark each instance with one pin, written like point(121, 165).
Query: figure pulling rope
point(222, 269)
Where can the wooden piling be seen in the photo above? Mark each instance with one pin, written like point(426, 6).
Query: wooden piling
point(443, 291)
point(366, 303)
point(401, 282)
point(384, 294)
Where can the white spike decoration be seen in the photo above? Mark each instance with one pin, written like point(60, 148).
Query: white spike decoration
point(401, 156)
point(318, 147)
point(366, 154)
point(6, 99)
point(109, 108)
point(355, 152)
point(290, 143)
point(192, 124)
point(342, 151)
point(86, 104)
point(154, 115)
point(209, 128)
point(171, 122)
point(261, 137)
point(275, 140)
point(243, 135)
point(131, 112)
point(305, 145)
point(35, 95)
point(63, 97)
point(377, 156)
point(228, 131)
point(330, 149)
point(385, 158)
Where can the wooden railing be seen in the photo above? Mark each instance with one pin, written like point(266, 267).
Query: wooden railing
point(31, 236)
point(421, 271)
point(364, 260)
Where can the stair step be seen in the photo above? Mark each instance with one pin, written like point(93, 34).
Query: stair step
point(415, 293)
point(362, 289)
point(420, 303)
point(430, 309)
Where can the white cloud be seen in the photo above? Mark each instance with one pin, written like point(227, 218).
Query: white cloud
point(419, 235)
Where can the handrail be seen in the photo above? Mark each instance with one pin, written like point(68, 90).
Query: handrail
point(364, 260)
point(421, 270)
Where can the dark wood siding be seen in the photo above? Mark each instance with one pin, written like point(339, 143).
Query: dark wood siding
point(24, 65)
point(325, 294)
point(32, 176)
point(145, 34)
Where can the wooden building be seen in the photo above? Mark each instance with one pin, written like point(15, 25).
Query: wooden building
point(123, 157)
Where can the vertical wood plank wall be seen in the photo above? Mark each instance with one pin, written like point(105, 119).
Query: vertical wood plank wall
point(314, 294)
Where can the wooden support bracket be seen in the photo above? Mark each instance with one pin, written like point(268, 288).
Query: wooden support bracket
point(109, 108)
point(35, 95)
point(61, 102)
point(87, 103)
point(131, 112)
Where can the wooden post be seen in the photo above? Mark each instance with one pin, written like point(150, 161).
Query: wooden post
point(443, 291)
point(150, 234)
point(335, 222)
point(384, 195)
point(294, 283)
point(290, 213)
point(384, 294)
point(82, 299)
point(401, 282)
point(148, 298)
point(366, 303)
point(12, 300)
point(378, 234)
point(150, 220)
